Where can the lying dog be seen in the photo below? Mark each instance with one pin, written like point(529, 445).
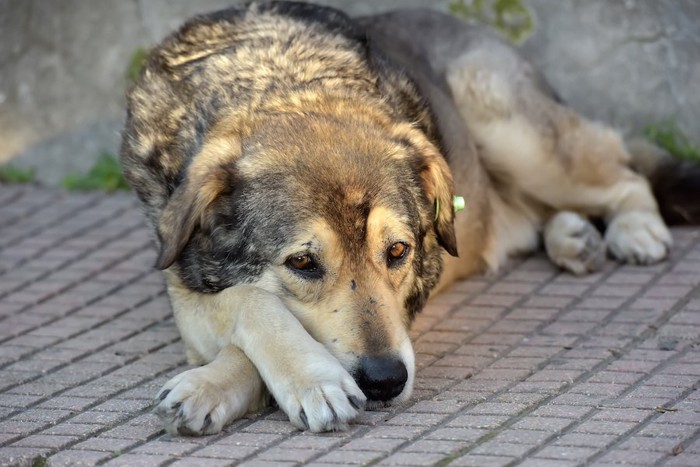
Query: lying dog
point(299, 185)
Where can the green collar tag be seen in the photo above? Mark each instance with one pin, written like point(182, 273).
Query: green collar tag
point(458, 204)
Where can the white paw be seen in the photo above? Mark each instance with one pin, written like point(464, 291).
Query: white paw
point(321, 397)
point(200, 402)
point(574, 244)
point(638, 237)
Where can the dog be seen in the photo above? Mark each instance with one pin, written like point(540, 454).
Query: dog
point(299, 169)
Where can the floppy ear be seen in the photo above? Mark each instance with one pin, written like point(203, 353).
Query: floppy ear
point(206, 179)
point(436, 179)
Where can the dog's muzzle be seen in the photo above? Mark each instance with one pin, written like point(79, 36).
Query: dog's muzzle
point(381, 378)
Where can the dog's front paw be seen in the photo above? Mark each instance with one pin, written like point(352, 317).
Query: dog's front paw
point(574, 244)
point(199, 402)
point(323, 399)
point(638, 237)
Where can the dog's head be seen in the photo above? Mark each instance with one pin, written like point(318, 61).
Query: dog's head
point(336, 216)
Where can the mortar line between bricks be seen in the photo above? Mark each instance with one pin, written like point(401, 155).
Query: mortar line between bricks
point(73, 283)
point(638, 426)
point(81, 356)
point(512, 420)
point(664, 318)
point(77, 307)
point(267, 410)
point(212, 438)
point(106, 427)
point(629, 346)
point(595, 410)
point(688, 441)
point(67, 262)
point(89, 406)
point(91, 328)
point(89, 203)
point(98, 402)
point(15, 198)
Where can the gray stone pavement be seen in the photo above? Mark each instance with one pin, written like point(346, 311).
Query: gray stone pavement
point(531, 367)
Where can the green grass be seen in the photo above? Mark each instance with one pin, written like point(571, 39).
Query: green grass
point(668, 136)
point(511, 17)
point(105, 175)
point(136, 64)
point(13, 175)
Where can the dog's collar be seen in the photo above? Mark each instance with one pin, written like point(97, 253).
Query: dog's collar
point(458, 204)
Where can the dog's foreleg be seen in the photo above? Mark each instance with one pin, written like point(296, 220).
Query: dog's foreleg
point(308, 383)
point(202, 400)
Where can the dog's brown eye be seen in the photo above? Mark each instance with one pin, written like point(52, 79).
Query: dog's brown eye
point(301, 262)
point(305, 266)
point(396, 253)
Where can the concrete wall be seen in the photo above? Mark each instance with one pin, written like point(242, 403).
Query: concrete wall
point(63, 65)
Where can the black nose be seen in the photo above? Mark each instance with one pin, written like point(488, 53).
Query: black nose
point(381, 378)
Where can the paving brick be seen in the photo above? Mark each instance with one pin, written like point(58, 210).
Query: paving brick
point(442, 447)
point(604, 427)
point(529, 437)
point(619, 456)
point(137, 460)
point(565, 453)
point(45, 441)
point(506, 449)
point(549, 424)
point(349, 457)
point(457, 434)
point(70, 458)
point(279, 454)
point(476, 460)
point(420, 419)
point(539, 462)
point(78, 429)
point(106, 444)
point(225, 451)
point(412, 458)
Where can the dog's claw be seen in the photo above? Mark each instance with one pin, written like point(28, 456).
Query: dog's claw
point(356, 403)
point(207, 422)
point(304, 420)
point(164, 394)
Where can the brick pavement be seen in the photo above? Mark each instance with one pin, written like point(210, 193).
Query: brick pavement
point(531, 367)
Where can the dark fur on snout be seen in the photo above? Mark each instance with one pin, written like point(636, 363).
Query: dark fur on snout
point(219, 107)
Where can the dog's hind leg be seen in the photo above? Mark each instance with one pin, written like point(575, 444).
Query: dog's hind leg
point(203, 400)
point(562, 162)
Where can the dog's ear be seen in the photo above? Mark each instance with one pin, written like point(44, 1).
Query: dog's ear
point(436, 179)
point(207, 177)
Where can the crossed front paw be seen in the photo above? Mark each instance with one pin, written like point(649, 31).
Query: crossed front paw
point(196, 403)
point(321, 402)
